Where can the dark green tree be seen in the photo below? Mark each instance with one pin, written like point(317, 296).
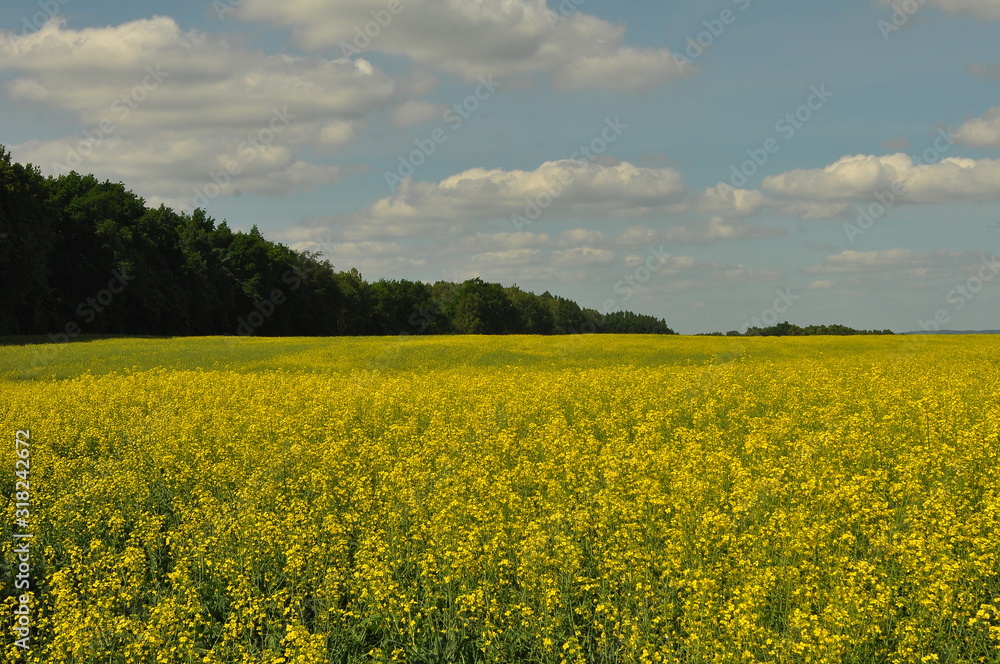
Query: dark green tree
point(482, 308)
point(26, 241)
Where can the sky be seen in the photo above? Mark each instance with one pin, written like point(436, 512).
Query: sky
point(719, 164)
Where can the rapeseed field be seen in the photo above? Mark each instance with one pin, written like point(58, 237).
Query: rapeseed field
point(505, 499)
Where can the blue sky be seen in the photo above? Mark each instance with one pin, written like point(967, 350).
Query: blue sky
point(810, 162)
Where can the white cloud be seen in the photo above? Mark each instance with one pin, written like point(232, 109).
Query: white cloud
point(981, 132)
point(669, 265)
point(580, 236)
point(826, 192)
point(507, 257)
point(503, 38)
point(582, 257)
point(557, 189)
point(338, 134)
point(163, 109)
point(639, 235)
point(86, 71)
point(723, 199)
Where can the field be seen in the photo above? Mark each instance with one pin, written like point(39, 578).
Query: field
point(506, 499)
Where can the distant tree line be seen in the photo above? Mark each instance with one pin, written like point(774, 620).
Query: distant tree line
point(787, 329)
point(79, 256)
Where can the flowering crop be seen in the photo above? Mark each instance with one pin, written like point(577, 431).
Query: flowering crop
point(509, 499)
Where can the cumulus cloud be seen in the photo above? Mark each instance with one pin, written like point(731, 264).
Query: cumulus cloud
point(557, 189)
point(164, 108)
point(500, 37)
point(981, 132)
point(826, 192)
point(724, 200)
point(338, 134)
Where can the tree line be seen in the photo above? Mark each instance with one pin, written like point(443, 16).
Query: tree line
point(80, 256)
point(786, 329)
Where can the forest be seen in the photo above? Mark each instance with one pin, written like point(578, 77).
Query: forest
point(80, 256)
